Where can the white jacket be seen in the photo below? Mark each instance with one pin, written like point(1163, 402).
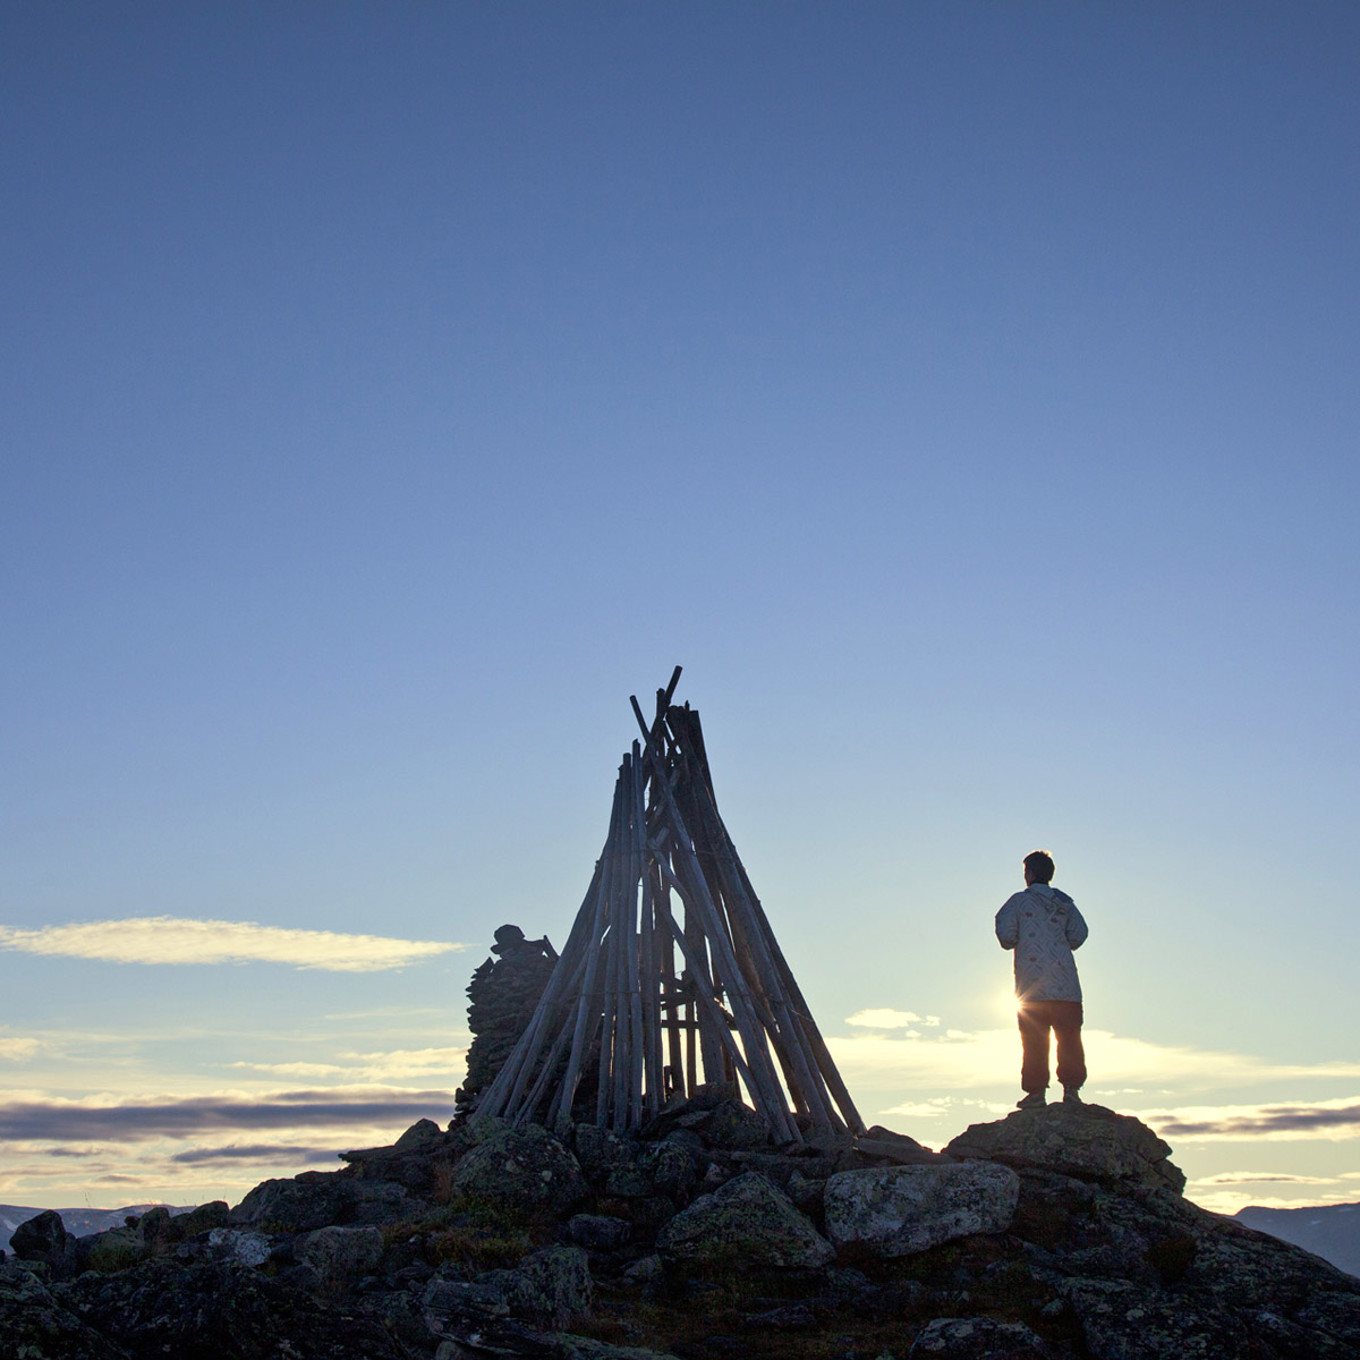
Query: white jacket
point(1043, 926)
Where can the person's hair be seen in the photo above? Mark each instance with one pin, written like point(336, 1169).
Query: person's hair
point(1040, 866)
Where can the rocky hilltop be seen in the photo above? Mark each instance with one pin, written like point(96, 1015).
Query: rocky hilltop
point(1056, 1233)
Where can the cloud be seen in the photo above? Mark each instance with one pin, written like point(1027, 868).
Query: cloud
point(66, 1121)
point(1329, 1119)
point(255, 1152)
point(885, 1018)
point(387, 1066)
point(17, 1050)
point(1262, 1178)
point(169, 939)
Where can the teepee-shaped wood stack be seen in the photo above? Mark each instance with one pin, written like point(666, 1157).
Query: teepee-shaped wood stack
point(671, 975)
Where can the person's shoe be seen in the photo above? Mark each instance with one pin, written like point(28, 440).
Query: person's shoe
point(1072, 1096)
point(1036, 1100)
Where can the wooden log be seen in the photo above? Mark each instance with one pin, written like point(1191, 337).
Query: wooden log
point(643, 983)
point(764, 1085)
point(706, 1002)
point(803, 1014)
point(801, 1073)
point(588, 1002)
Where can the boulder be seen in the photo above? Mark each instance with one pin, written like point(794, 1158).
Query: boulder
point(416, 1161)
point(977, 1339)
point(1088, 1141)
point(1122, 1321)
point(601, 1152)
point(748, 1219)
point(341, 1253)
point(732, 1125)
point(239, 1246)
point(299, 1203)
point(317, 1199)
point(553, 1285)
point(33, 1323)
point(210, 1310)
point(524, 1171)
point(671, 1166)
point(900, 1210)
point(44, 1238)
point(485, 1297)
point(599, 1232)
point(882, 1144)
point(587, 1348)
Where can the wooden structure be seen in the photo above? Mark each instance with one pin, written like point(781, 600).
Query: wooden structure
point(671, 975)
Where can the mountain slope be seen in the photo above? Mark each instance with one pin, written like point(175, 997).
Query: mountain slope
point(1331, 1231)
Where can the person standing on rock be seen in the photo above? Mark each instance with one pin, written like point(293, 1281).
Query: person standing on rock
point(1043, 926)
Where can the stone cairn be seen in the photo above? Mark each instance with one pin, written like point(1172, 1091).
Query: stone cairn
point(503, 995)
point(671, 978)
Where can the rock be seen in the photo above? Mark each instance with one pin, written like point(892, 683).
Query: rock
point(341, 1253)
point(486, 1297)
point(748, 1220)
point(239, 1247)
point(899, 1210)
point(418, 1161)
point(503, 994)
point(553, 1286)
point(883, 1144)
point(211, 1215)
point(977, 1339)
point(807, 1193)
point(587, 1348)
point(33, 1323)
point(115, 1248)
point(646, 1271)
point(216, 1311)
point(421, 1136)
point(300, 1203)
point(734, 1126)
point(1077, 1140)
point(599, 1232)
point(671, 1167)
point(44, 1238)
point(601, 1152)
point(522, 1170)
point(317, 1199)
point(1121, 1321)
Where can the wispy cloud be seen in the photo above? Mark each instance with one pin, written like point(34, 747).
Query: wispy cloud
point(268, 1153)
point(17, 1050)
point(1329, 1119)
point(885, 1018)
point(1262, 1178)
point(124, 1121)
point(388, 1066)
point(177, 940)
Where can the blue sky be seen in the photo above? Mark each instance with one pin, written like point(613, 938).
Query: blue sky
point(963, 393)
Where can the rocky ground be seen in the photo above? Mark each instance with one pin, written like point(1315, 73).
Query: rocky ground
point(1056, 1233)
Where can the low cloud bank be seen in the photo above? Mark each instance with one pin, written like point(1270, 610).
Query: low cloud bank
point(255, 1152)
point(133, 1121)
point(1334, 1119)
point(176, 940)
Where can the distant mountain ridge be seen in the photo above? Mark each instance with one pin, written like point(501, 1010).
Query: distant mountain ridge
point(1331, 1231)
point(80, 1222)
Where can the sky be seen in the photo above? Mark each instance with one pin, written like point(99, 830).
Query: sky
point(964, 393)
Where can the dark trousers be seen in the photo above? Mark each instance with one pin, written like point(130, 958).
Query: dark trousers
point(1064, 1019)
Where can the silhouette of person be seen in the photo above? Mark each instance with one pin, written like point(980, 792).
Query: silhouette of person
point(1043, 926)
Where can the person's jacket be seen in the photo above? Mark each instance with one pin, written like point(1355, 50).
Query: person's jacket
point(1043, 926)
